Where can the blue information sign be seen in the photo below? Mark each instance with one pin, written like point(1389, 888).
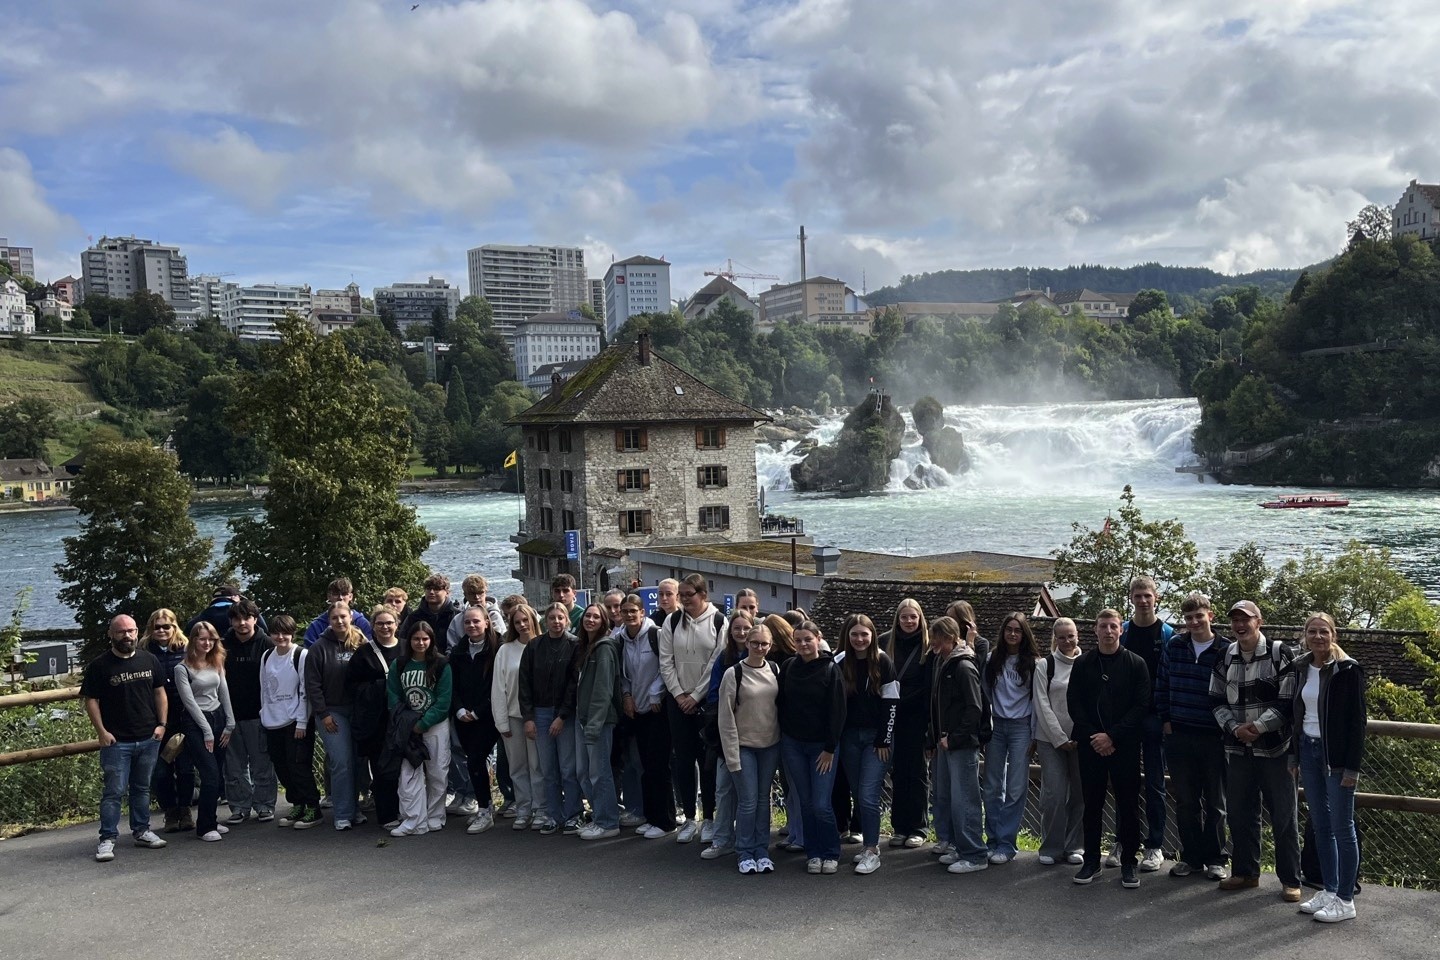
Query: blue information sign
point(651, 598)
point(572, 544)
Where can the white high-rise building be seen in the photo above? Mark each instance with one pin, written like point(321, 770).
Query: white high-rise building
point(553, 338)
point(207, 295)
point(523, 281)
point(252, 312)
point(20, 259)
point(635, 285)
point(597, 299)
point(338, 301)
point(121, 267)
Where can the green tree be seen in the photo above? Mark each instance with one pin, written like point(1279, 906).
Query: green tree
point(337, 457)
point(1373, 222)
point(439, 323)
point(1241, 574)
point(206, 438)
point(457, 404)
point(1147, 300)
point(1099, 564)
point(478, 311)
point(137, 549)
point(25, 425)
point(148, 311)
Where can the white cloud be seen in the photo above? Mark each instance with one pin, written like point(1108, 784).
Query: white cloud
point(234, 162)
point(28, 220)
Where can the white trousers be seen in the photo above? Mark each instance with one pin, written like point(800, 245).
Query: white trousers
point(422, 789)
point(524, 769)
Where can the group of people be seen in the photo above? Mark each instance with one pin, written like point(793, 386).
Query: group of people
point(605, 717)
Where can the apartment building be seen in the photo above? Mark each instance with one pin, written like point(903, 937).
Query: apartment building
point(635, 285)
point(522, 281)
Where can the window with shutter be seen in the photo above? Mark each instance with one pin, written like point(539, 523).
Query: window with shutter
point(619, 441)
point(620, 480)
point(724, 476)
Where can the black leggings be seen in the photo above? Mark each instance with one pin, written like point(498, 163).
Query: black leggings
point(909, 776)
point(478, 737)
point(688, 749)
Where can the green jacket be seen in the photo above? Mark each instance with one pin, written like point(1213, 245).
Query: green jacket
point(598, 697)
point(408, 686)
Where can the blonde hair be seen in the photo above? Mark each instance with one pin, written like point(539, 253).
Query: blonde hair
point(1337, 652)
point(895, 627)
point(164, 615)
point(215, 659)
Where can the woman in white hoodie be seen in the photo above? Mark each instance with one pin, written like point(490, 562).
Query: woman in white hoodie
point(520, 751)
point(1061, 802)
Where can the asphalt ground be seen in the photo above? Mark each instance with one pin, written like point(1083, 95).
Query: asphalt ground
point(296, 895)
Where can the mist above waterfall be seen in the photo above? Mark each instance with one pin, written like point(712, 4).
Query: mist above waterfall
point(1098, 445)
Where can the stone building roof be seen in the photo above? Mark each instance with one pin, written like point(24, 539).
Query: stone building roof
point(25, 471)
point(617, 387)
point(878, 599)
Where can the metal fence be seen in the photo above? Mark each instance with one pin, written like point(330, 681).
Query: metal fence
point(48, 778)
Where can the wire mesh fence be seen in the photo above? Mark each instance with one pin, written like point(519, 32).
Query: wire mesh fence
point(1400, 840)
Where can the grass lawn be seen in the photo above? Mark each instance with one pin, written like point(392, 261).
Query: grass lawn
point(53, 376)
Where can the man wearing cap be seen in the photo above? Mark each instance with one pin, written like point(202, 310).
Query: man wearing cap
point(1251, 688)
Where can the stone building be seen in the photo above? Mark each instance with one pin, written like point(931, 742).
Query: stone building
point(631, 452)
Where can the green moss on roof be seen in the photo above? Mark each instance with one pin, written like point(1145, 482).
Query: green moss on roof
point(539, 547)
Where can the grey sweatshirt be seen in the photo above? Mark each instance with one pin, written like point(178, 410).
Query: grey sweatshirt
point(204, 691)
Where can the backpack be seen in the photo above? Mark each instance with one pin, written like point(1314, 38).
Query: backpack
point(294, 657)
point(774, 672)
point(673, 621)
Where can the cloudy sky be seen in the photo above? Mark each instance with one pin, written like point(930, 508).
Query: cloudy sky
point(330, 139)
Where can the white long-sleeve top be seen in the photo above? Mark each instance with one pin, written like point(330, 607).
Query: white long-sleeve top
point(688, 651)
point(1052, 714)
point(282, 690)
point(505, 688)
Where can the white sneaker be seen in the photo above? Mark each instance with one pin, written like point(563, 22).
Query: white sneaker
point(1153, 859)
point(150, 840)
point(999, 857)
point(628, 819)
point(520, 823)
point(707, 831)
point(326, 803)
point(1336, 910)
point(966, 866)
point(940, 849)
point(749, 866)
point(1075, 857)
point(482, 821)
point(467, 809)
point(869, 862)
point(1112, 859)
point(221, 828)
point(1216, 871)
point(949, 857)
point(812, 865)
point(652, 832)
point(105, 851)
point(764, 865)
point(1046, 860)
point(687, 831)
point(715, 852)
point(829, 866)
point(915, 841)
point(212, 836)
point(594, 831)
point(1317, 903)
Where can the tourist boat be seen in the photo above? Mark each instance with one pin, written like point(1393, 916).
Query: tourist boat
point(1304, 500)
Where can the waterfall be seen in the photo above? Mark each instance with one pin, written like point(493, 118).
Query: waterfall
point(1100, 445)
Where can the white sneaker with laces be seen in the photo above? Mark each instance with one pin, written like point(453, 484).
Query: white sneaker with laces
point(149, 840)
point(482, 821)
point(1046, 860)
point(869, 862)
point(1216, 871)
point(707, 831)
point(105, 851)
point(520, 823)
point(829, 866)
point(966, 866)
point(1075, 857)
point(715, 852)
point(999, 857)
point(467, 809)
point(812, 865)
point(1317, 903)
point(687, 831)
point(749, 866)
point(940, 849)
point(915, 841)
point(1153, 859)
point(949, 858)
point(628, 819)
point(211, 837)
point(652, 832)
point(1336, 910)
point(765, 865)
point(1112, 859)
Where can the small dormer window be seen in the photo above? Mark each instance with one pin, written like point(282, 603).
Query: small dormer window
point(679, 391)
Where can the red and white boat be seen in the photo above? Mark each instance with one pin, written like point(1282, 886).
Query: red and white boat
point(1303, 501)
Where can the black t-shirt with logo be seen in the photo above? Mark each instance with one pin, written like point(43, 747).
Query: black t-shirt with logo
point(125, 688)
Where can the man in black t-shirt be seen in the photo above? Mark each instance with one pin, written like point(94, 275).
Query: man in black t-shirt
point(1145, 635)
point(124, 691)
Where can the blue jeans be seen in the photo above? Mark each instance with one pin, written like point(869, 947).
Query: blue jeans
point(592, 768)
point(752, 801)
point(127, 768)
point(1332, 814)
point(725, 801)
point(957, 802)
point(812, 793)
point(866, 773)
point(1007, 777)
point(340, 762)
point(557, 767)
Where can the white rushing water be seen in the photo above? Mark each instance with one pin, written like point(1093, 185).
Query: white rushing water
point(1026, 447)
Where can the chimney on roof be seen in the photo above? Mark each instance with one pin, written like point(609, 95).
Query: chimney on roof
point(827, 560)
point(644, 347)
point(555, 380)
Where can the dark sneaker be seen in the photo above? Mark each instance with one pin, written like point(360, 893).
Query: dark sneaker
point(308, 819)
point(1129, 877)
point(1087, 873)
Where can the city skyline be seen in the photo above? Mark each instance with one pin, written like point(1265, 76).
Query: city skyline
point(364, 140)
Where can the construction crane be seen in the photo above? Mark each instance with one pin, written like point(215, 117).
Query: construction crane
point(729, 273)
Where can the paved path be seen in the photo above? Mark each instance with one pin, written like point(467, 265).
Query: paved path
point(448, 896)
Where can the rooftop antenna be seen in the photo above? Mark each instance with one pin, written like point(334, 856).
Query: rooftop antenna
point(863, 290)
point(802, 253)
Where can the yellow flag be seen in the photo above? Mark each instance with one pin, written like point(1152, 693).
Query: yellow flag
point(510, 460)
